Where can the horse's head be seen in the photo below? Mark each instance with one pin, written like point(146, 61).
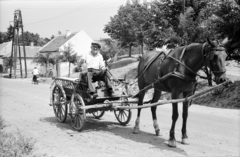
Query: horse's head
point(216, 57)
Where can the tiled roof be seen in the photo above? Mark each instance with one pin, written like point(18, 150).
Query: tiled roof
point(31, 51)
point(57, 42)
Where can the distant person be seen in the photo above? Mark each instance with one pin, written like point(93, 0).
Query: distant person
point(50, 73)
point(35, 74)
point(96, 70)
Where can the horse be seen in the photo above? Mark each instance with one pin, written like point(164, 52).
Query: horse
point(176, 74)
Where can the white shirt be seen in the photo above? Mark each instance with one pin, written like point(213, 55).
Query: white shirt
point(35, 71)
point(95, 62)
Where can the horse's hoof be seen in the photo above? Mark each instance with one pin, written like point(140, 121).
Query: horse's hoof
point(157, 132)
point(136, 130)
point(172, 143)
point(185, 141)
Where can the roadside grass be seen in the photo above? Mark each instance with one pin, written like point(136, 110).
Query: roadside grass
point(122, 62)
point(14, 144)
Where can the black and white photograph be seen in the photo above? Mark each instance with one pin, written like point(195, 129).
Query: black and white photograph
point(114, 78)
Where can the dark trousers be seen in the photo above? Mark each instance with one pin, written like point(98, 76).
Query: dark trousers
point(94, 75)
point(35, 78)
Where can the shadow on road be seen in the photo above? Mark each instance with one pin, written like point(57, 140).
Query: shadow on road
point(96, 125)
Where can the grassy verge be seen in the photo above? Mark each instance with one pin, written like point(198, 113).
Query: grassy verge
point(14, 144)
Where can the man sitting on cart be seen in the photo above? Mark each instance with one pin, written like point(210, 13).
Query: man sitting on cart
point(96, 69)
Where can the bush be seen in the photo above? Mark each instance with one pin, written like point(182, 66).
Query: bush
point(14, 144)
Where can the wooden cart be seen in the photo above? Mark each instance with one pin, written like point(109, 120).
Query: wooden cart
point(69, 97)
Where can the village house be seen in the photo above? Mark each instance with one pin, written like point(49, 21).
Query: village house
point(31, 52)
point(80, 43)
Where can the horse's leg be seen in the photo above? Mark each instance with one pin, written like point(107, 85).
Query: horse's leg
point(172, 140)
point(185, 116)
point(155, 98)
point(140, 103)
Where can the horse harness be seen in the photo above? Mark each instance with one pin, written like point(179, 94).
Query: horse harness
point(207, 57)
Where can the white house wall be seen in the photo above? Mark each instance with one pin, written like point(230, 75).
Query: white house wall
point(81, 44)
point(64, 69)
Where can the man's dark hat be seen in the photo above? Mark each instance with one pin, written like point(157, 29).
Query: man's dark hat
point(96, 45)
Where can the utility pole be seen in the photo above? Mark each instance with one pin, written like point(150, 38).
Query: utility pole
point(16, 48)
point(183, 7)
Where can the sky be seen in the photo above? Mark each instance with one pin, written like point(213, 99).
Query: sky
point(48, 17)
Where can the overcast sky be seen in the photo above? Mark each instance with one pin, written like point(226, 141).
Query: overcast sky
point(47, 17)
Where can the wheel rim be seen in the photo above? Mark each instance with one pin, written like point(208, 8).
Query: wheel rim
point(77, 115)
point(59, 104)
point(123, 115)
point(98, 114)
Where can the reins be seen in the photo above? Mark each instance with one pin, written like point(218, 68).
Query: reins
point(205, 56)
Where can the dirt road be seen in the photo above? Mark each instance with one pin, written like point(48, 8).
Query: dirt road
point(212, 131)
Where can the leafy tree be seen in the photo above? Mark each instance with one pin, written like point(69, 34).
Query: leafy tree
point(44, 59)
point(9, 33)
point(119, 28)
point(52, 37)
point(110, 48)
point(2, 37)
point(7, 62)
point(68, 55)
point(227, 24)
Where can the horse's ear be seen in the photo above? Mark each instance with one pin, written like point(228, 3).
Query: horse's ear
point(211, 43)
point(225, 41)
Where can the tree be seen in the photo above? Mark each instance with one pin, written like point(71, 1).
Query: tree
point(227, 25)
point(109, 48)
point(44, 59)
point(2, 37)
point(119, 28)
point(52, 37)
point(68, 55)
point(7, 62)
point(9, 33)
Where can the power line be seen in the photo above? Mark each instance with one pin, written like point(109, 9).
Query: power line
point(69, 18)
point(72, 11)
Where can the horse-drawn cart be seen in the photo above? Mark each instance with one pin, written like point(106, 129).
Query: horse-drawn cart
point(69, 97)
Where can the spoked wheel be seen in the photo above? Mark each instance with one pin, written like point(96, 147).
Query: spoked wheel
point(123, 115)
point(78, 115)
point(59, 103)
point(98, 114)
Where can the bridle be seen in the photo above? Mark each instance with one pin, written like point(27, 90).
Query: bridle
point(208, 58)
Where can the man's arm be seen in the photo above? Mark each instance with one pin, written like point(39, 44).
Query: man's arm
point(102, 63)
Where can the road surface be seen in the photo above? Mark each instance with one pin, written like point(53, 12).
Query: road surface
point(24, 106)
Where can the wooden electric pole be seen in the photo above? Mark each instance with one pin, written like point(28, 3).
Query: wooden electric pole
point(16, 48)
point(183, 5)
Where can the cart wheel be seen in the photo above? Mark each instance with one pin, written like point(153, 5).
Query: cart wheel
point(98, 114)
point(123, 115)
point(59, 103)
point(77, 114)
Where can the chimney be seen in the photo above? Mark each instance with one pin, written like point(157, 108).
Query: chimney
point(31, 43)
point(68, 32)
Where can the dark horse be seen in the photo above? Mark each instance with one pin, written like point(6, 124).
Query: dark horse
point(177, 74)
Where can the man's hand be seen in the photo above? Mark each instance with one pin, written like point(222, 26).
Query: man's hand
point(104, 68)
